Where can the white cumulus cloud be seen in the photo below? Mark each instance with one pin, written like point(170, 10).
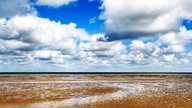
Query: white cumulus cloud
point(101, 52)
point(177, 41)
point(54, 3)
point(169, 58)
point(26, 38)
point(42, 32)
point(14, 44)
point(146, 17)
point(10, 8)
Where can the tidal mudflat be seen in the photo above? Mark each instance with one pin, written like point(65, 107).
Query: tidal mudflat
point(96, 91)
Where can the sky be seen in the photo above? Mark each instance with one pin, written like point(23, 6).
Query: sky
point(95, 35)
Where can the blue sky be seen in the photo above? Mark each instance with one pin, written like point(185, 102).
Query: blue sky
point(95, 35)
point(80, 12)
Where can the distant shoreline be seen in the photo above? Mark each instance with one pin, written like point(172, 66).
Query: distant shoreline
point(131, 73)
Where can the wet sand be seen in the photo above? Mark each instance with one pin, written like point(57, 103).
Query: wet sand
point(96, 91)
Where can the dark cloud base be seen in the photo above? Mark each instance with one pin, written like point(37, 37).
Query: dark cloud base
point(109, 37)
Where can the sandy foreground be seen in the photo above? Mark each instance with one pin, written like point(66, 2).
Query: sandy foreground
point(95, 91)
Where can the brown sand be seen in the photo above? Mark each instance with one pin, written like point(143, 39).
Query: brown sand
point(143, 101)
point(12, 98)
point(168, 91)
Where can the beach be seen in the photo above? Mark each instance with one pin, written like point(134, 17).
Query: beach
point(96, 90)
